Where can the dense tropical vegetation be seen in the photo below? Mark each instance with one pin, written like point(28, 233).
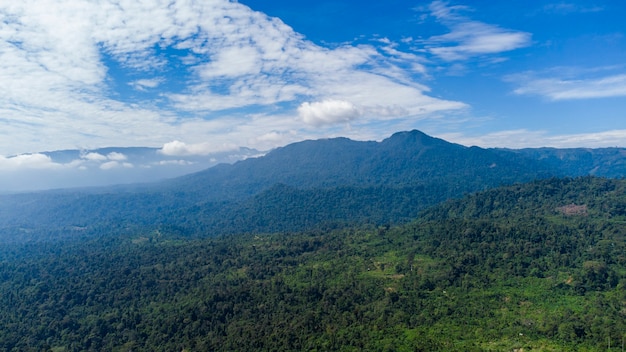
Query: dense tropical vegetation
point(331, 183)
point(535, 266)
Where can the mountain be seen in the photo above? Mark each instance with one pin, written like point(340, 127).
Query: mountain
point(528, 267)
point(322, 183)
point(605, 162)
point(405, 158)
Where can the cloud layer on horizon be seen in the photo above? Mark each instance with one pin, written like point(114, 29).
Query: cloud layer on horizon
point(523, 138)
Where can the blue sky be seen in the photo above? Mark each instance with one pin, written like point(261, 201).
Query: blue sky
point(199, 77)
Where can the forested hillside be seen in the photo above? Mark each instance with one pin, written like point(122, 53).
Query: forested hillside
point(537, 266)
point(321, 184)
point(605, 162)
point(306, 185)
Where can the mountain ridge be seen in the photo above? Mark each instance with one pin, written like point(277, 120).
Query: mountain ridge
point(404, 156)
point(74, 168)
point(326, 182)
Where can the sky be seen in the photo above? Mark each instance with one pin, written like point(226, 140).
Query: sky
point(195, 77)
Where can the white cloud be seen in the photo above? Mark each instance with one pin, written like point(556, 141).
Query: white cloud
point(328, 112)
point(113, 164)
point(178, 148)
point(99, 158)
point(233, 58)
point(523, 138)
point(613, 138)
point(44, 162)
point(175, 162)
point(565, 8)
point(109, 165)
point(469, 38)
point(557, 88)
point(93, 156)
point(116, 156)
point(233, 62)
point(27, 161)
point(272, 136)
point(145, 84)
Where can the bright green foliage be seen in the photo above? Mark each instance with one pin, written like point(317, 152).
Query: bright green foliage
point(538, 267)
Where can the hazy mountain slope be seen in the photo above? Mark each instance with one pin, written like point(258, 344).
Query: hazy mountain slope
point(327, 162)
point(605, 162)
point(339, 182)
point(406, 158)
point(326, 182)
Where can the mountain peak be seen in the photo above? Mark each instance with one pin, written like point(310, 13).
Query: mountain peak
point(413, 138)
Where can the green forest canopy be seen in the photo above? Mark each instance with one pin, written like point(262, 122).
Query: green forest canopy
point(510, 268)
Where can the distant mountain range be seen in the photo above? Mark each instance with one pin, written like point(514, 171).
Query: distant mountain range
point(603, 162)
point(105, 167)
point(321, 183)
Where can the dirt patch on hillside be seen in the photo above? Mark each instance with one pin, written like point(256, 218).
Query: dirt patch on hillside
point(573, 209)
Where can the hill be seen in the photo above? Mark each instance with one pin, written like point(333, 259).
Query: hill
point(605, 162)
point(311, 184)
point(405, 158)
point(506, 269)
point(328, 182)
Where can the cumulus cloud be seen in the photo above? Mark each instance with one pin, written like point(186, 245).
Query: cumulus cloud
point(178, 148)
point(468, 38)
point(116, 156)
point(113, 164)
point(41, 161)
point(77, 54)
point(99, 158)
point(27, 161)
point(93, 156)
point(328, 112)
